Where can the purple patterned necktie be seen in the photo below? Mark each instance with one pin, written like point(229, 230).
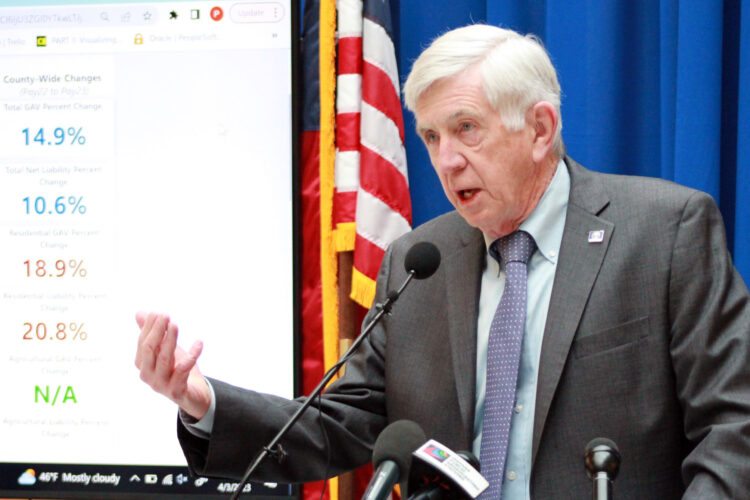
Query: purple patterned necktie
point(503, 354)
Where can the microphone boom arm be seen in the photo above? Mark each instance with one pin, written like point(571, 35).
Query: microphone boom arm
point(274, 448)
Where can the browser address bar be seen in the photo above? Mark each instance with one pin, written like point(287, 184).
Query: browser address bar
point(83, 16)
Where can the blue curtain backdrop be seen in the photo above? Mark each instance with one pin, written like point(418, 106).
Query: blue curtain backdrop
point(655, 88)
point(650, 87)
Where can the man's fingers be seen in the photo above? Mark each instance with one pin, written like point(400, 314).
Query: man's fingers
point(165, 359)
point(191, 390)
point(154, 334)
point(181, 376)
point(166, 367)
point(187, 361)
point(140, 318)
point(195, 350)
point(145, 323)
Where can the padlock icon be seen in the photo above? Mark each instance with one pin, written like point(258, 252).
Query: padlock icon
point(138, 39)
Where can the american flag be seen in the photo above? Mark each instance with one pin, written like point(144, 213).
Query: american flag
point(360, 201)
point(372, 206)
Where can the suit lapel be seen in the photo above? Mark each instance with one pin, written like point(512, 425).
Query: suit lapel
point(463, 278)
point(577, 269)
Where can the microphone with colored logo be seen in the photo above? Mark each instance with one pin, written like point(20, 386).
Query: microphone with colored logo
point(439, 473)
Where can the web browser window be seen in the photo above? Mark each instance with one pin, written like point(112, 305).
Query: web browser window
point(145, 165)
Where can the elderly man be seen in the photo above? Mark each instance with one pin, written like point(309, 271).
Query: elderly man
point(568, 305)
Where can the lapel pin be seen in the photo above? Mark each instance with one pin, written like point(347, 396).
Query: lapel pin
point(596, 236)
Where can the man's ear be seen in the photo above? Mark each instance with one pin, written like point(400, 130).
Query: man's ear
point(544, 119)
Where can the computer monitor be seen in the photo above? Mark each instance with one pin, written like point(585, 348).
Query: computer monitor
point(146, 163)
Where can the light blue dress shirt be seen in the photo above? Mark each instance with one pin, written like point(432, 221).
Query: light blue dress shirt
point(545, 224)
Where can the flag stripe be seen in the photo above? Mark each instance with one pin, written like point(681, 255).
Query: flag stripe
point(350, 55)
point(377, 221)
point(385, 182)
point(347, 171)
point(344, 211)
point(374, 83)
point(349, 18)
point(347, 132)
point(378, 50)
point(381, 135)
point(368, 257)
point(349, 94)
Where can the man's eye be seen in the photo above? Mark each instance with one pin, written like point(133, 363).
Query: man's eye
point(466, 126)
point(430, 137)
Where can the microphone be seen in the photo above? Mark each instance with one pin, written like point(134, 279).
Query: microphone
point(391, 457)
point(442, 474)
point(471, 459)
point(421, 261)
point(602, 459)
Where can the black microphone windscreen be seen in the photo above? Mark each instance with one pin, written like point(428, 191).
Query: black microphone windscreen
point(602, 455)
point(423, 258)
point(397, 442)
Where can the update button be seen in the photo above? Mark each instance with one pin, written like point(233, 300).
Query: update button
point(264, 12)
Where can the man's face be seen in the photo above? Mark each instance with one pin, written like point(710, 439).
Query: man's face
point(487, 172)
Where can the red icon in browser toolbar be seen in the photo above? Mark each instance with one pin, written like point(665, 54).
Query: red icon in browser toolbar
point(217, 13)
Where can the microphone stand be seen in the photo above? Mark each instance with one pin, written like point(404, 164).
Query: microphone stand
point(602, 486)
point(274, 448)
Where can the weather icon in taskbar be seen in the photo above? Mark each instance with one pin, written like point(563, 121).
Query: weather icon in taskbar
point(28, 478)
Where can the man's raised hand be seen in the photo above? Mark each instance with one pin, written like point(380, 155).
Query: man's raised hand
point(168, 368)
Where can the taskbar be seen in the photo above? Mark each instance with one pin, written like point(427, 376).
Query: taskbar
point(124, 482)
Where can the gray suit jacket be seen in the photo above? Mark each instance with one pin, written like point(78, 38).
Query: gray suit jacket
point(647, 343)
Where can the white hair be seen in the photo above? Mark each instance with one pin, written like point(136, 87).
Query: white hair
point(516, 72)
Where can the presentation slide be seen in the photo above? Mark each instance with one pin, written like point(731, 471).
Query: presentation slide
point(145, 165)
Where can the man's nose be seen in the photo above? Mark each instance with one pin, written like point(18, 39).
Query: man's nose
point(450, 157)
